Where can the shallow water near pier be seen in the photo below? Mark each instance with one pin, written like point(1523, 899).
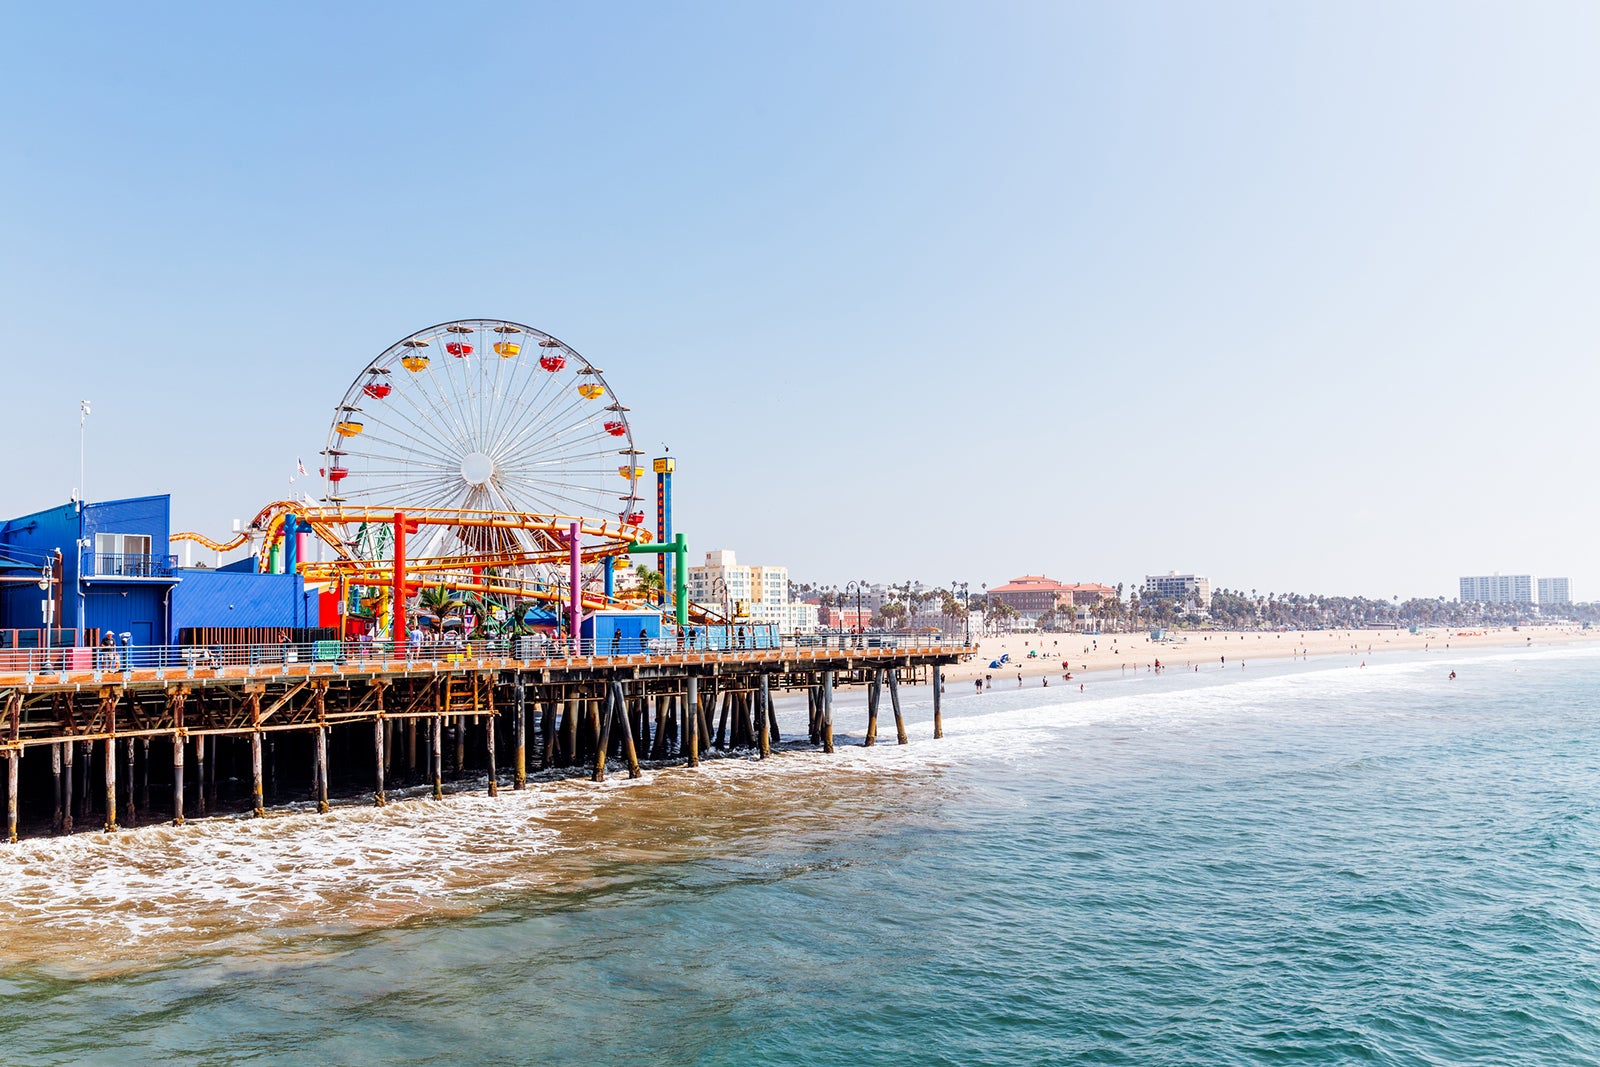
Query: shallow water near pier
point(1298, 862)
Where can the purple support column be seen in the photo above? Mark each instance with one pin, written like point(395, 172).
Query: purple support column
point(575, 611)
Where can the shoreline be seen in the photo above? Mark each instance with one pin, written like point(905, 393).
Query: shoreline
point(1056, 653)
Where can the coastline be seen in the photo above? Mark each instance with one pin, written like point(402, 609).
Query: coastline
point(1186, 648)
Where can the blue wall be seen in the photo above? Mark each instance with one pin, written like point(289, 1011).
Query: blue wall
point(602, 625)
point(230, 598)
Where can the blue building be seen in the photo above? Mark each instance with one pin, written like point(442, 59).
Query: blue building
point(116, 574)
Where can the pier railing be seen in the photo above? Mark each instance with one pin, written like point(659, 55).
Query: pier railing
point(106, 662)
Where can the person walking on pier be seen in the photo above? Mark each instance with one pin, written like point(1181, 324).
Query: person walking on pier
point(644, 640)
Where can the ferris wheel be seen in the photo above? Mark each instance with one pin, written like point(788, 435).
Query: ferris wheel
point(482, 415)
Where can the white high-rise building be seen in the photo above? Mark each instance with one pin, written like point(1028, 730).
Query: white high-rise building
point(1497, 589)
point(1555, 591)
point(1179, 587)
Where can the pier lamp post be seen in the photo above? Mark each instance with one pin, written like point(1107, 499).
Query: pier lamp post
point(47, 606)
point(858, 586)
point(985, 587)
point(718, 582)
point(966, 606)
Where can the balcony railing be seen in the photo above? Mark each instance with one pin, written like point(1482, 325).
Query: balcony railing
point(128, 565)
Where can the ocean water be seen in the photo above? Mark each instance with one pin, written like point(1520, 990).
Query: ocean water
point(1300, 862)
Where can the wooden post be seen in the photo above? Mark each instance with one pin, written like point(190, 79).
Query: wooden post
point(108, 701)
point(722, 720)
point(133, 812)
point(258, 794)
point(519, 736)
point(461, 743)
point(873, 690)
point(763, 716)
point(55, 774)
point(658, 751)
point(569, 747)
point(692, 720)
point(827, 711)
point(772, 713)
point(319, 772)
point(599, 773)
point(437, 761)
point(379, 797)
point(66, 784)
point(12, 759)
point(111, 782)
point(178, 741)
point(894, 702)
point(549, 754)
point(199, 774)
point(938, 692)
point(411, 750)
point(494, 770)
point(628, 750)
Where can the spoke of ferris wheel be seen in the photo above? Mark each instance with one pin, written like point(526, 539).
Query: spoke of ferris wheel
point(393, 414)
point(560, 428)
point(399, 493)
point(544, 495)
point(450, 407)
point(590, 448)
point(410, 450)
point(429, 422)
point(566, 443)
point(512, 407)
point(548, 414)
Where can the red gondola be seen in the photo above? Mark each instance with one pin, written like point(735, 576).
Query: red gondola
point(337, 474)
point(458, 348)
point(635, 518)
point(616, 428)
point(377, 390)
point(553, 362)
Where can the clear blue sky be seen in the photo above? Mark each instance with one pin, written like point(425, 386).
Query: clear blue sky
point(1298, 296)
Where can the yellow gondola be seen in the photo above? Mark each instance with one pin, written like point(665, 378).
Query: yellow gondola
point(349, 428)
point(507, 349)
point(631, 472)
point(591, 391)
point(414, 362)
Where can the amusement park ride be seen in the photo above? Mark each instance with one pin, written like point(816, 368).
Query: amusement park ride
point(481, 456)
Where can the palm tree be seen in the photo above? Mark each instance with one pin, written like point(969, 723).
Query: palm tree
point(651, 583)
point(439, 603)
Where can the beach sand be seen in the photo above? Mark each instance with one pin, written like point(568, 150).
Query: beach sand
point(1184, 649)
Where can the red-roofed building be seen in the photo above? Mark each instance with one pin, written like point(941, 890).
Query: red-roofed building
point(1030, 595)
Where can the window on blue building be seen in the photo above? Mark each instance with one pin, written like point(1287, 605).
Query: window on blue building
point(122, 555)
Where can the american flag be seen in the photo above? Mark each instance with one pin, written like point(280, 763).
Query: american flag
point(300, 465)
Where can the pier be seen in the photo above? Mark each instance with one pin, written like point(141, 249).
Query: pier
point(106, 738)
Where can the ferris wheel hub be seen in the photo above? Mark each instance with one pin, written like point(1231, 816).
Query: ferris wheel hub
point(477, 469)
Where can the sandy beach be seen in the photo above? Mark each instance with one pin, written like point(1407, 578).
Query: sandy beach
point(1054, 654)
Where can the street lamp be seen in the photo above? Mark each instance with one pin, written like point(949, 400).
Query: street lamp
point(727, 607)
point(47, 606)
point(858, 586)
point(966, 606)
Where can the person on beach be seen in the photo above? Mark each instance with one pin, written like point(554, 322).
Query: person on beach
point(1019, 679)
point(978, 684)
point(1452, 676)
point(988, 681)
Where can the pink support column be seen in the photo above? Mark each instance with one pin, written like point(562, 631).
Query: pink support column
point(575, 611)
point(398, 630)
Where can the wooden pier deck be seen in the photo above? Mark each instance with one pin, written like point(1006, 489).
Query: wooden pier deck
point(298, 712)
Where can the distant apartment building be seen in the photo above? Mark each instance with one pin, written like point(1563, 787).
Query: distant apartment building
point(1555, 591)
point(1497, 589)
point(1180, 587)
point(1031, 595)
point(756, 593)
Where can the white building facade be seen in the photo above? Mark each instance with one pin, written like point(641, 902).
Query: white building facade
point(754, 593)
point(1555, 591)
point(1497, 589)
point(1180, 587)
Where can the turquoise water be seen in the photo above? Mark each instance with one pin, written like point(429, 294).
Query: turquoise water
point(1298, 863)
